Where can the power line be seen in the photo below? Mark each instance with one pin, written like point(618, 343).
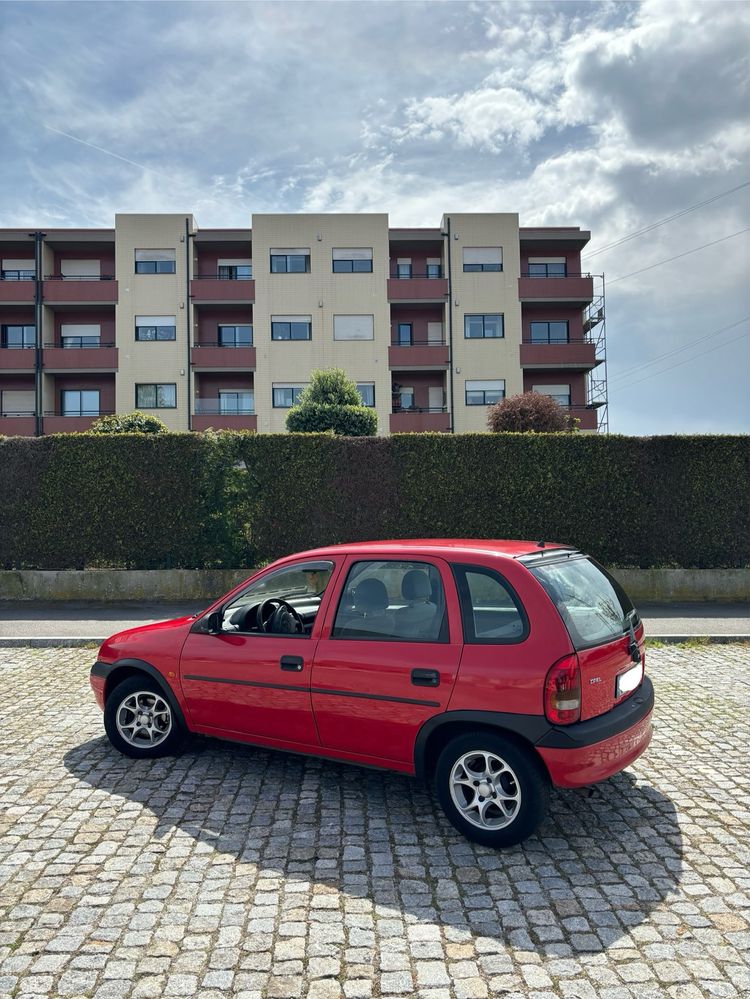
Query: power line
point(628, 372)
point(669, 218)
point(671, 367)
point(679, 255)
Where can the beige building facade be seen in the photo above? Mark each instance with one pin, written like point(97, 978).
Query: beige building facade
point(222, 328)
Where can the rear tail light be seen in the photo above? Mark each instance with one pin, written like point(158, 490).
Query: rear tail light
point(562, 692)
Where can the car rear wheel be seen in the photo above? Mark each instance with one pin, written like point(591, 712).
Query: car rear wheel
point(139, 720)
point(492, 790)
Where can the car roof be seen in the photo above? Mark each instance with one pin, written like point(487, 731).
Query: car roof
point(446, 547)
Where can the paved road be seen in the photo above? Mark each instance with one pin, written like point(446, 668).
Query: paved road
point(97, 621)
point(237, 872)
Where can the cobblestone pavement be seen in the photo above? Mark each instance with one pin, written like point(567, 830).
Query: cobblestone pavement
point(232, 871)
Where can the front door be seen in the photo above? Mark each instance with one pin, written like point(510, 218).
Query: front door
point(251, 678)
point(387, 658)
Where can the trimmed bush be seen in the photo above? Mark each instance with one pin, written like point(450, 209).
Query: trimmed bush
point(129, 423)
point(331, 403)
point(237, 499)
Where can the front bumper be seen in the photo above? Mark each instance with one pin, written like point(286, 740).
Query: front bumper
point(591, 751)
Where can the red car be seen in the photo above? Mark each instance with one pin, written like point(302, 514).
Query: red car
point(494, 668)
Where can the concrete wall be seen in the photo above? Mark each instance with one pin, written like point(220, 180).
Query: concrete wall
point(717, 585)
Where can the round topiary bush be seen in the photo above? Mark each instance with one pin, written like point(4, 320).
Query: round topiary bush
point(129, 423)
point(530, 412)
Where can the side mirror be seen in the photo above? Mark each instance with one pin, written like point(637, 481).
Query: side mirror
point(210, 625)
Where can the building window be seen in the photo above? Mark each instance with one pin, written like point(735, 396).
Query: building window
point(235, 270)
point(291, 327)
point(404, 334)
point(236, 403)
point(547, 268)
point(156, 396)
point(367, 393)
point(154, 261)
point(483, 327)
point(403, 397)
point(79, 402)
point(403, 268)
point(155, 328)
point(483, 258)
point(286, 396)
point(549, 332)
point(290, 261)
point(485, 393)
point(353, 328)
point(236, 336)
point(434, 269)
point(74, 335)
point(17, 402)
point(18, 270)
point(80, 270)
point(560, 393)
point(350, 260)
point(17, 337)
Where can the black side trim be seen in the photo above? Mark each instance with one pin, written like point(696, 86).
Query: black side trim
point(619, 719)
point(314, 690)
point(245, 683)
point(529, 727)
point(106, 670)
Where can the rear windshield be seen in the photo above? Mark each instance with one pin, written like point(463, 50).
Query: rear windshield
point(591, 603)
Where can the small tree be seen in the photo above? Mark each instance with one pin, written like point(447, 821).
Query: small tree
point(530, 412)
point(331, 402)
point(129, 423)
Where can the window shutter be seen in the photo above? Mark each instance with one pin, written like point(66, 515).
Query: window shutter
point(353, 328)
point(141, 255)
point(483, 255)
point(352, 253)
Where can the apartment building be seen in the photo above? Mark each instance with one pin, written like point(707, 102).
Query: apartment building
point(222, 327)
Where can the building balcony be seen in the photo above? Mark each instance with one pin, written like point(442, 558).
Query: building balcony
point(418, 354)
point(572, 288)
point(215, 290)
point(577, 355)
point(17, 359)
point(586, 416)
point(214, 414)
point(60, 423)
point(17, 425)
point(420, 419)
point(417, 288)
point(218, 357)
point(17, 291)
point(67, 359)
point(80, 290)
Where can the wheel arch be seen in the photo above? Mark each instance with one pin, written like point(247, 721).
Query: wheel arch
point(114, 674)
point(436, 733)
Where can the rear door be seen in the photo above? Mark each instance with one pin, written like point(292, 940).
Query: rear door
point(387, 658)
point(598, 616)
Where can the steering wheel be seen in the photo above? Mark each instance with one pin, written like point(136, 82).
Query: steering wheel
point(277, 617)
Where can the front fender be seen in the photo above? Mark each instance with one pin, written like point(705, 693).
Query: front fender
point(109, 672)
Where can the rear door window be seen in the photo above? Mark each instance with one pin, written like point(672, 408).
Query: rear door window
point(492, 613)
point(591, 603)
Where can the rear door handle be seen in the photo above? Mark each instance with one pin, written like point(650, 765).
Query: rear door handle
point(425, 677)
point(292, 664)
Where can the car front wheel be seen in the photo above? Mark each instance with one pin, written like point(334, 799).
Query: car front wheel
point(139, 720)
point(492, 790)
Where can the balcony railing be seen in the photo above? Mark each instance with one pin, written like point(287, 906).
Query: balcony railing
point(414, 342)
point(17, 412)
point(216, 407)
point(556, 287)
point(83, 413)
point(419, 409)
point(79, 277)
point(412, 275)
point(78, 344)
point(550, 353)
point(80, 289)
point(214, 276)
point(17, 276)
point(223, 345)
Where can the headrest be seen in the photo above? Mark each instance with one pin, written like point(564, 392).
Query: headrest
point(415, 585)
point(371, 595)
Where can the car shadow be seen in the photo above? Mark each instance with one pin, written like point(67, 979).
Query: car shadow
point(597, 867)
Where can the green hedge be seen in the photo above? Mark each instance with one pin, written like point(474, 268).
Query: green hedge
point(236, 499)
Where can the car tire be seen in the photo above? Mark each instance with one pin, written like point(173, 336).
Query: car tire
point(491, 789)
point(140, 721)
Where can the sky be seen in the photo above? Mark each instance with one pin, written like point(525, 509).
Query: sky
point(610, 116)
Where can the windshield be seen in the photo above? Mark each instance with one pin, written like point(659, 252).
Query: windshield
point(591, 603)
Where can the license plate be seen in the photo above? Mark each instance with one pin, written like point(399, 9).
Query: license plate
point(628, 680)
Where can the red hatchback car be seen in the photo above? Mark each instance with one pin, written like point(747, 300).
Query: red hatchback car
point(493, 668)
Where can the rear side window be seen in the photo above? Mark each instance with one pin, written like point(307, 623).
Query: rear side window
point(392, 601)
point(591, 603)
point(492, 614)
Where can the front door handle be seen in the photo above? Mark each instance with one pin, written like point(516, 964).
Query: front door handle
point(292, 664)
point(425, 677)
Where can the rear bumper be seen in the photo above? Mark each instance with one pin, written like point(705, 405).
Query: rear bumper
point(591, 751)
